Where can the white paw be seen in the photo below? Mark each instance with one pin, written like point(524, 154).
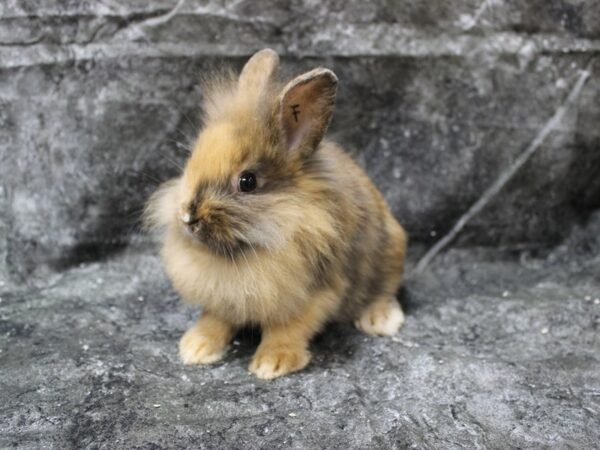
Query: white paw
point(195, 348)
point(269, 363)
point(382, 318)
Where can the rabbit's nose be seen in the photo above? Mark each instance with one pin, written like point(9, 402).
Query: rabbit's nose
point(191, 223)
point(185, 213)
point(186, 218)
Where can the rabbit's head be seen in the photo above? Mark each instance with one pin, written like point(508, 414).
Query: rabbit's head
point(252, 170)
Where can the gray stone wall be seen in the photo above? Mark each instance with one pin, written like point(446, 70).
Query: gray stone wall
point(438, 99)
point(99, 100)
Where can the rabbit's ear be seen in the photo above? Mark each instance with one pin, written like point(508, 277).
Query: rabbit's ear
point(305, 108)
point(258, 72)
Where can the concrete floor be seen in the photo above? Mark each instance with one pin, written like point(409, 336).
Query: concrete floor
point(496, 352)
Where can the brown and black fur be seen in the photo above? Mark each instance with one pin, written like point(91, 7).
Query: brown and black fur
point(314, 242)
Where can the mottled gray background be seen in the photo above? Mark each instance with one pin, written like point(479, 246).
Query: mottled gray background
point(99, 101)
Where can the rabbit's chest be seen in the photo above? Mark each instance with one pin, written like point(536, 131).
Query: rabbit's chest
point(242, 290)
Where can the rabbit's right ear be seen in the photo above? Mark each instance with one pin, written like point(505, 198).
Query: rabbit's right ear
point(305, 108)
point(258, 72)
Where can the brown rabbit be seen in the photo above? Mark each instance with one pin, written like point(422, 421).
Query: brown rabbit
point(271, 226)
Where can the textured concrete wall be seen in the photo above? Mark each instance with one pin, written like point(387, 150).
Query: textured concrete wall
point(98, 101)
point(438, 98)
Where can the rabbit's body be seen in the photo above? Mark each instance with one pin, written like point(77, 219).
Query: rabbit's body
point(348, 242)
point(272, 227)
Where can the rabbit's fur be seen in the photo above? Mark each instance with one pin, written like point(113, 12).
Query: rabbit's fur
point(313, 242)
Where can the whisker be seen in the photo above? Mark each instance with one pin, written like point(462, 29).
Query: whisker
point(148, 175)
point(172, 161)
point(180, 145)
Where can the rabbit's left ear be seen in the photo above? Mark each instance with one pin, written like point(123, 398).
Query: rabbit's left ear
point(258, 72)
point(305, 108)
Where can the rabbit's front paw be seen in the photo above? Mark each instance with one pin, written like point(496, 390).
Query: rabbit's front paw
point(275, 361)
point(196, 347)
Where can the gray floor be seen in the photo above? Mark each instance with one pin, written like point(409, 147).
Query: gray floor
point(496, 352)
point(437, 101)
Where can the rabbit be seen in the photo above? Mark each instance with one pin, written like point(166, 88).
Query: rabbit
point(269, 225)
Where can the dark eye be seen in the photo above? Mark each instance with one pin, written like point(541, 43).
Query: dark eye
point(247, 182)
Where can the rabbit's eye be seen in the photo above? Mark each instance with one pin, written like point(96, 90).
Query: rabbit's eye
point(247, 182)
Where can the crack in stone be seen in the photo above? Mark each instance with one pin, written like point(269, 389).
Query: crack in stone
point(137, 27)
point(397, 45)
point(505, 176)
point(22, 44)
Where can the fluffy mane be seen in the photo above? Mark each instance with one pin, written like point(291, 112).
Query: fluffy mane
point(227, 96)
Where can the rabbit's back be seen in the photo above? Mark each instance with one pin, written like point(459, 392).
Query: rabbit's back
point(373, 241)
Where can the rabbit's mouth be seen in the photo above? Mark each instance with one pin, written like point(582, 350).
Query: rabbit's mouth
point(227, 249)
point(224, 242)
